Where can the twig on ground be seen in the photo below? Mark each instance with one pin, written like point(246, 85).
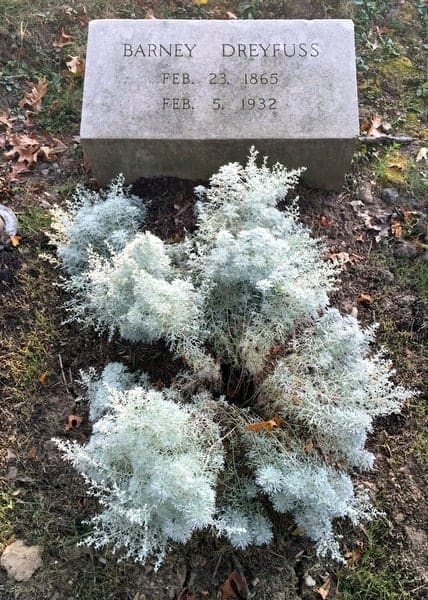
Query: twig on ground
point(385, 139)
point(63, 374)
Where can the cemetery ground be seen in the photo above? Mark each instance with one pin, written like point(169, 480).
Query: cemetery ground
point(377, 227)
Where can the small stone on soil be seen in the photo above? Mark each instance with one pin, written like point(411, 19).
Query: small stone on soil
point(364, 193)
point(21, 561)
point(310, 581)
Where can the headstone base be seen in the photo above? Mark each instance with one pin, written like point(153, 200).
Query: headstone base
point(199, 159)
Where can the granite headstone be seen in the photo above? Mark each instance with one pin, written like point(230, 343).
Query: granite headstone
point(181, 98)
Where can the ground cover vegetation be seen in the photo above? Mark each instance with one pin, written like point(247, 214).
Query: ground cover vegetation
point(375, 229)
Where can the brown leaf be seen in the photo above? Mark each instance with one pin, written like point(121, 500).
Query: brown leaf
point(324, 590)
point(6, 119)
point(268, 425)
point(353, 557)
point(73, 421)
point(14, 240)
point(396, 229)
point(234, 588)
point(31, 454)
point(42, 377)
point(50, 152)
point(63, 39)
point(15, 172)
point(28, 154)
point(325, 221)
point(344, 258)
point(364, 299)
point(375, 124)
point(76, 66)
point(34, 95)
point(150, 14)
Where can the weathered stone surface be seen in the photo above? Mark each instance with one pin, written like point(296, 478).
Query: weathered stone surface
point(21, 561)
point(181, 98)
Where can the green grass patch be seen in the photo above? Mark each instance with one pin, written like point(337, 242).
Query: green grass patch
point(7, 506)
point(375, 577)
point(34, 221)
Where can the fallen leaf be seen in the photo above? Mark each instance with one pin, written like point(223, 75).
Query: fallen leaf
point(234, 588)
point(364, 299)
point(325, 221)
point(200, 2)
point(50, 152)
point(73, 421)
point(422, 154)
point(34, 95)
point(31, 454)
point(42, 377)
point(324, 590)
point(396, 229)
point(15, 172)
point(14, 240)
point(359, 238)
point(76, 66)
point(344, 258)
point(6, 119)
point(150, 14)
point(268, 425)
point(353, 557)
point(28, 154)
point(231, 15)
point(63, 39)
point(375, 124)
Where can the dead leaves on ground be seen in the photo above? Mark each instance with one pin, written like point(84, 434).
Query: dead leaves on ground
point(324, 590)
point(377, 127)
point(235, 587)
point(268, 426)
point(345, 258)
point(73, 422)
point(26, 149)
point(365, 299)
point(63, 39)
point(76, 66)
point(33, 96)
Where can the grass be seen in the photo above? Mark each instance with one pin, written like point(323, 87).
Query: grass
point(374, 578)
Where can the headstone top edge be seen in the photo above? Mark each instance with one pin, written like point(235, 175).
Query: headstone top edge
point(231, 21)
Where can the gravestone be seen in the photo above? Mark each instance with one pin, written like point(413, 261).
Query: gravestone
point(181, 98)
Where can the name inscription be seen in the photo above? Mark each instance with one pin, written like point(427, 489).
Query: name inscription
point(180, 50)
point(257, 88)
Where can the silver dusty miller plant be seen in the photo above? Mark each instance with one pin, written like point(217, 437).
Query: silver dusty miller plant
point(278, 392)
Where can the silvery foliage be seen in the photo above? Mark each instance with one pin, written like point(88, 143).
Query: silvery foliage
point(138, 293)
point(151, 461)
point(259, 270)
point(99, 222)
point(332, 384)
point(251, 279)
point(312, 491)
